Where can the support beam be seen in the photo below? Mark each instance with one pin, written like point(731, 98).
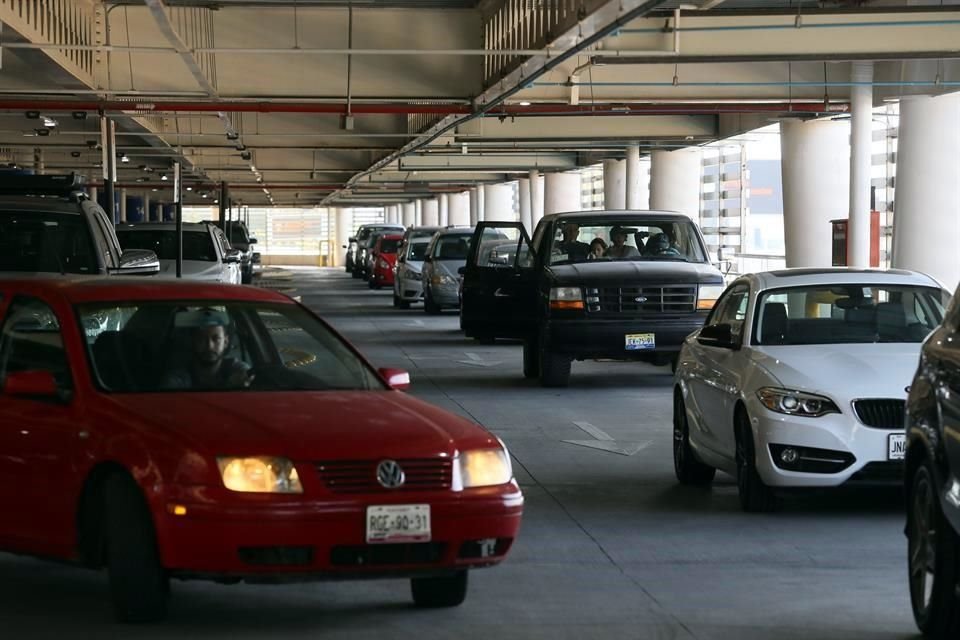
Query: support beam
point(675, 181)
point(562, 192)
point(344, 227)
point(498, 203)
point(409, 214)
point(861, 162)
point(460, 209)
point(526, 216)
point(614, 184)
point(634, 179)
point(431, 212)
point(444, 209)
point(536, 198)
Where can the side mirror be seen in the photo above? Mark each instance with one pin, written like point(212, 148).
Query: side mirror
point(34, 384)
point(397, 378)
point(138, 262)
point(352, 239)
point(718, 335)
point(252, 241)
point(255, 258)
point(232, 256)
point(462, 271)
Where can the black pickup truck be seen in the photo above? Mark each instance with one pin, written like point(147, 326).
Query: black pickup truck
point(615, 285)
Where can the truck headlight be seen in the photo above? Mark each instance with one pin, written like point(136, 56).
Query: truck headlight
point(796, 403)
point(259, 474)
point(482, 468)
point(566, 298)
point(708, 295)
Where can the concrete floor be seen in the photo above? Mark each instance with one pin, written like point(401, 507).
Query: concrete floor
point(611, 547)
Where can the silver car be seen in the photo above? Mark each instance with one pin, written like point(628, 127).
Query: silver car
point(207, 254)
point(407, 283)
point(446, 254)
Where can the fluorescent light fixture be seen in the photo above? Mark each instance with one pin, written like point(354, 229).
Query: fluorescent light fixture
point(525, 103)
point(164, 177)
point(189, 188)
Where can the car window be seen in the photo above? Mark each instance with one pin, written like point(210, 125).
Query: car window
point(30, 340)
point(197, 245)
point(451, 247)
point(503, 248)
point(732, 310)
point(109, 246)
point(389, 246)
point(643, 238)
point(417, 250)
point(46, 242)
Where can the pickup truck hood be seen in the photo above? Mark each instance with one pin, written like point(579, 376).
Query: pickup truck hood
point(627, 272)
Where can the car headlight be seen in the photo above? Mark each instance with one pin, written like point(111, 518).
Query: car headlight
point(482, 468)
point(384, 264)
point(796, 403)
point(566, 298)
point(443, 280)
point(708, 295)
point(259, 474)
point(412, 275)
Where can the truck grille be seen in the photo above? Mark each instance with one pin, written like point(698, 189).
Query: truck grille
point(360, 476)
point(882, 413)
point(663, 299)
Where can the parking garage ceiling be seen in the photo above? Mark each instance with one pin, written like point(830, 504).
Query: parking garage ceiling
point(329, 102)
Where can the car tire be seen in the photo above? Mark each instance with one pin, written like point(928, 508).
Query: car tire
point(433, 593)
point(688, 469)
point(531, 358)
point(371, 284)
point(934, 556)
point(755, 495)
point(139, 586)
point(396, 301)
point(554, 367)
point(429, 305)
point(403, 304)
point(355, 273)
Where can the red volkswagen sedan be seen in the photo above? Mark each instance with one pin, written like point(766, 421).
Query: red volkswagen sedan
point(167, 430)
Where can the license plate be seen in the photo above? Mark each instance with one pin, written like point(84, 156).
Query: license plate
point(896, 446)
point(641, 341)
point(398, 523)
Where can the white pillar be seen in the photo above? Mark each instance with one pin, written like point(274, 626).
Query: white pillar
point(498, 203)
point(861, 161)
point(561, 193)
point(123, 204)
point(388, 215)
point(344, 229)
point(430, 213)
point(526, 216)
point(675, 181)
point(816, 182)
point(147, 217)
point(460, 209)
point(926, 224)
point(536, 199)
point(634, 179)
point(481, 206)
point(444, 209)
point(474, 206)
point(409, 214)
point(419, 213)
point(614, 185)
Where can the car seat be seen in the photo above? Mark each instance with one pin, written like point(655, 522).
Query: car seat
point(773, 328)
point(122, 361)
point(891, 322)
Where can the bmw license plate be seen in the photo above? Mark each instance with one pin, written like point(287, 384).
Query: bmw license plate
point(641, 341)
point(398, 523)
point(896, 446)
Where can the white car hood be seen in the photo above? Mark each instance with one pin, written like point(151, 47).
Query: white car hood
point(193, 270)
point(842, 371)
point(416, 267)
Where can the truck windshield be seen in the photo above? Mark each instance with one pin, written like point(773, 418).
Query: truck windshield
point(633, 239)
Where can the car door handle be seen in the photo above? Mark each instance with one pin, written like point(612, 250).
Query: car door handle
point(500, 294)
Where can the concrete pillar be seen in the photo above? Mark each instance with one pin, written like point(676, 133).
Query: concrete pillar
point(123, 205)
point(444, 209)
point(460, 209)
point(409, 214)
point(536, 198)
point(614, 184)
point(158, 212)
point(344, 229)
point(146, 207)
point(498, 203)
point(635, 179)
point(38, 161)
point(481, 206)
point(526, 216)
point(419, 213)
point(675, 181)
point(816, 183)
point(92, 193)
point(561, 193)
point(431, 212)
point(861, 161)
point(474, 207)
point(926, 224)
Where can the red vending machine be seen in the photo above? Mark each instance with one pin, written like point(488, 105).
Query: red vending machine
point(841, 241)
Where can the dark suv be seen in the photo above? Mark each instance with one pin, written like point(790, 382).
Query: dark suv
point(931, 480)
point(590, 285)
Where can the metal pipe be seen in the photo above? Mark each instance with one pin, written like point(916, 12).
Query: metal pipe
point(813, 83)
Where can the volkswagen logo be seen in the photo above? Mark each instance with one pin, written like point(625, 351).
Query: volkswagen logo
point(390, 475)
point(640, 299)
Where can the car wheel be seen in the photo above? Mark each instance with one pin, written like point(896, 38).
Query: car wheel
point(448, 591)
point(429, 305)
point(396, 300)
point(531, 359)
point(355, 273)
point(139, 586)
point(934, 560)
point(554, 367)
point(371, 284)
point(755, 495)
point(403, 304)
point(689, 470)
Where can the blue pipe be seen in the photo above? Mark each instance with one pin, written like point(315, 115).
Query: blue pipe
point(812, 83)
point(792, 26)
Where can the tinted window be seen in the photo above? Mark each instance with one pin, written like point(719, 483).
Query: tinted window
point(418, 250)
point(452, 247)
point(389, 246)
point(46, 242)
point(197, 245)
point(31, 341)
point(587, 239)
point(732, 310)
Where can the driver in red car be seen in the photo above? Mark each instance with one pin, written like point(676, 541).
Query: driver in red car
point(209, 367)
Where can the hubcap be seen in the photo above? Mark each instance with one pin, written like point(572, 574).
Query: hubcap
point(923, 538)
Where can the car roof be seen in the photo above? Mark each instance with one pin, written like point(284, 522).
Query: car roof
point(839, 275)
point(672, 216)
point(162, 226)
point(455, 231)
point(136, 288)
point(41, 204)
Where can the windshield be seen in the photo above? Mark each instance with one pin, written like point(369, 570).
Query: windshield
point(847, 314)
point(197, 245)
point(452, 247)
point(418, 250)
point(389, 246)
point(237, 233)
point(46, 242)
point(367, 233)
point(162, 347)
point(622, 238)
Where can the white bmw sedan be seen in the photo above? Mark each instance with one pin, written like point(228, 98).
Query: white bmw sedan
point(798, 378)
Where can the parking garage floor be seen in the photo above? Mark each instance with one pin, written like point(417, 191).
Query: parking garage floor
point(611, 546)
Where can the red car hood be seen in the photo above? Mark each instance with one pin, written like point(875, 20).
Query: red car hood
point(306, 425)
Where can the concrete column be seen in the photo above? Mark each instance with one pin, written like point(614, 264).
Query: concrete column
point(146, 207)
point(526, 215)
point(481, 204)
point(343, 219)
point(498, 203)
point(158, 211)
point(460, 209)
point(926, 224)
point(634, 179)
point(431, 212)
point(474, 206)
point(614, 184)
point(419, 213)
point(38, 161)
point(675, 181)
point(861, 160)
point(816, 183)
point(92, 193)
point(409, 214)
point(561, 193)
point(536, 199)
point(444, 209)
point(123, 205)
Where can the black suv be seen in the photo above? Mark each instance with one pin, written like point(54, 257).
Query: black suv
point(590, 285)
point(49, 225)
point(931, 480)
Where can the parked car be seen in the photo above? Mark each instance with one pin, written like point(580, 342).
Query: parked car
point(239, 238)
point(798, 379)
point(206, 253)
point(49, 225)
point(407, 283)
point(569, 301)
point(446, 254)
point(931, 481)
point(361, 245)
point(384, 260)
point(244, 461)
